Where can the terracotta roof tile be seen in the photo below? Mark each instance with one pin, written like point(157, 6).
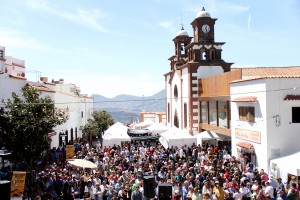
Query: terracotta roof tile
point(17, 77)
point(292, 97)
point(270, 72)
point(41, 88)
point(245, 145)
point(245, 99)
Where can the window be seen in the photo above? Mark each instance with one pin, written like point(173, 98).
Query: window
point(222, 114)
point(212, 54)
point(169, 112)
point(246, 114)
point(176, 121)
point(175, 92)
point(203, 54)
point(212, 113)
point(81, 114)
point(185, 115)
point(204, 113)
point(295, 115)
point(1, 54)
point(182, 50)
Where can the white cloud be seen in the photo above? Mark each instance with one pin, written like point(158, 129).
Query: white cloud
point(14, 38)
point(249, 22)
point(92, 19)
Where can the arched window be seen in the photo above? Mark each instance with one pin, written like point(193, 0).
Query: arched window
point(169, 112)
point(175, 92)
point(203, 54)
point(182, 50)
point(212, 54)
point(176, 121)
point(185, 114)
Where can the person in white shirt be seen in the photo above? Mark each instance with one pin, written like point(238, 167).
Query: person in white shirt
point(269, 190)
point(89, 188)
point(237, 195)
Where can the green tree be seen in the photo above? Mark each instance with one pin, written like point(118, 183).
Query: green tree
point(25, 122)
point(99, 122)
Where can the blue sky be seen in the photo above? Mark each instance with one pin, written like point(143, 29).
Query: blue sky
point(122, 47)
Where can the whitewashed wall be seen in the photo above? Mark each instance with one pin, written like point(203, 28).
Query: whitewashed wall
point(276, 139)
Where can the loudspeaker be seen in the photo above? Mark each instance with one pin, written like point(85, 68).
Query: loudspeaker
point(149, 187)
point(165, 191)
point(5, 190)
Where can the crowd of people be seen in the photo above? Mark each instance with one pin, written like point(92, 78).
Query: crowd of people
point(194, 173)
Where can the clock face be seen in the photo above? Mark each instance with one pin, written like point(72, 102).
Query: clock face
point(205, 28)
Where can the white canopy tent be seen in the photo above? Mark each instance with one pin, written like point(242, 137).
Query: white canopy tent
point(116, 134)
point(145, 123)
point(281, 167)
point(208, 135)
point(176, 137)
point(157, 128)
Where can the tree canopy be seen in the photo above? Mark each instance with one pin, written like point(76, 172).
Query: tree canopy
point(99, 122)
point(25, 122)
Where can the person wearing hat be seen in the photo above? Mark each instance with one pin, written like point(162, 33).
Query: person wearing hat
point(176, 195)
point(218, 191)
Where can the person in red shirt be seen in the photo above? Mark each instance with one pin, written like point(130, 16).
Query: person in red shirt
point(263, 175)
point(234, 183)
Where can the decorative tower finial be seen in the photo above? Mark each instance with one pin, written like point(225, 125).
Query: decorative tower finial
point(203, 9)
point(181, 23)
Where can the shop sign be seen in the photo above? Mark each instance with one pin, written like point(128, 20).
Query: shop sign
point(252, 136)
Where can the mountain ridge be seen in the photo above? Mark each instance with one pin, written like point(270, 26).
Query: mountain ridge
point(126, 108)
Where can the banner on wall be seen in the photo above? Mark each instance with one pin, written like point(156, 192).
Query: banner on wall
point(69, 151)
point(17, 184)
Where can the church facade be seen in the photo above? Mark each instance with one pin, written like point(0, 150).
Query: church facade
point(195, 58)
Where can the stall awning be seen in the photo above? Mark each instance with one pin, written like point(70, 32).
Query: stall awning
point(245, 145)
point(245, 99)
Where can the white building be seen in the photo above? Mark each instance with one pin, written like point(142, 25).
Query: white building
point(193, 60)
point(265, 114)
point(78, 107)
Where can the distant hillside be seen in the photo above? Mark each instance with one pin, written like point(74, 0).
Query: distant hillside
point(126, 108)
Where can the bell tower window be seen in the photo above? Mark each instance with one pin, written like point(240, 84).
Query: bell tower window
point(212, 54)
point(203, 54)
point(182, 51)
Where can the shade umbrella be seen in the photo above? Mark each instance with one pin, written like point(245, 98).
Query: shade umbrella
point(82, 163)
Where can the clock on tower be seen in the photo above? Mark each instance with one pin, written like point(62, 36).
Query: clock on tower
point(204, 27)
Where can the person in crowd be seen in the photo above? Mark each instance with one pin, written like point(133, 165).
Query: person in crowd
point(282, 195)
point(269, 190)
point(137, 195)
point(218, 191)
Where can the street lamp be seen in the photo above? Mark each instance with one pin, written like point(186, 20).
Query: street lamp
point(62, 135)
